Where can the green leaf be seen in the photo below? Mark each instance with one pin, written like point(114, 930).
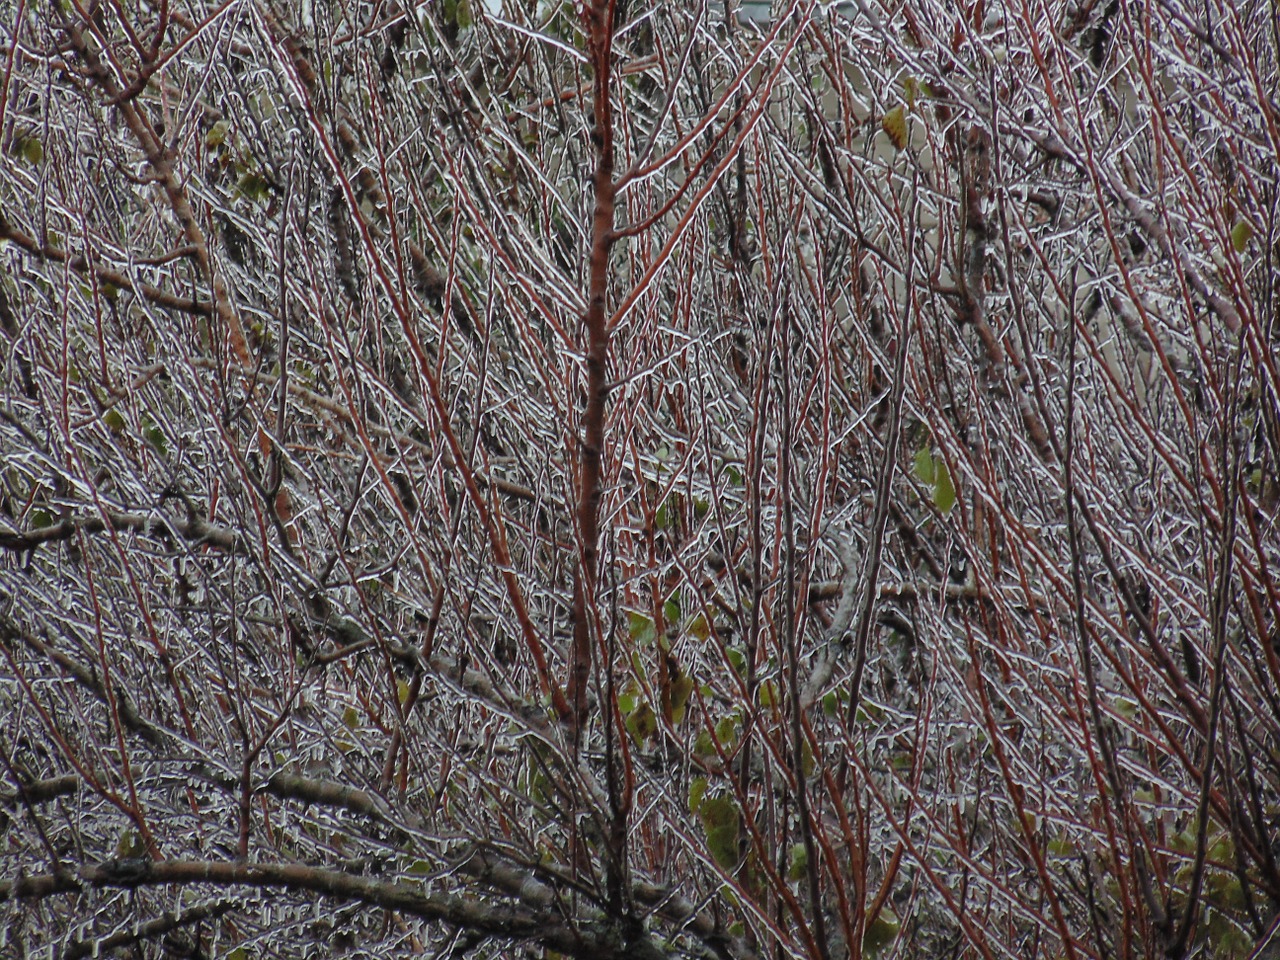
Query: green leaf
point(351, 718)
point(737, 659)
point(1222, 850)
point(253, 186)
point(880, 933)
point(797, 862)
point(40, 519)
point(703, 746)
point(830, 704)
point(721, 820)
point(642, 724)
point(932, 471)
point(130, 845)
point(944, 491)
point(640, 628)
point(217, 134)
point(1061, 846)
point(627, 702)
point(1227, 940)
point(681, 688)
point(697, 790)
point(154, 435)
point(727, 731)
point(402, 691)
point(30, 149)
point(1223, 890)
point(1240, 235)
point(868, 712)
point(669, 513)
point(768, 695)
point(113, 420)
point(924, 466)
point(722, 842)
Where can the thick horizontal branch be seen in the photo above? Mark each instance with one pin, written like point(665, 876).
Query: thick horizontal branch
point(192, 529)
point(824, 591)
point(328, 793)
point(489, 919)
point(150, 930)
point(40, 791)
point(84, 265)
point(516, 881)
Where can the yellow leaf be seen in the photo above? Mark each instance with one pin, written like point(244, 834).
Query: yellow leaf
point(894, 123)
point(911, 88)
point(699, 628)
point(217, 134)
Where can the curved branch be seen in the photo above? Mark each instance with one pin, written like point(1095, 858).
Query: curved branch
point(491, 920)
point(82, 264)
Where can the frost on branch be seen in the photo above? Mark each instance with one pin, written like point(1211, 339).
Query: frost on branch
point(634, 480)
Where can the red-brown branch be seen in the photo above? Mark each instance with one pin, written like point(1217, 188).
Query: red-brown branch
point(596, 331)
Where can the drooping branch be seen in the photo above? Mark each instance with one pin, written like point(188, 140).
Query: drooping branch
point(160, 159)
point(510, 921)
point(85, 265)
point(493, 920)
point(165, 926)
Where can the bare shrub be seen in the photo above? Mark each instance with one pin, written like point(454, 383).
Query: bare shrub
point(635, 481)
